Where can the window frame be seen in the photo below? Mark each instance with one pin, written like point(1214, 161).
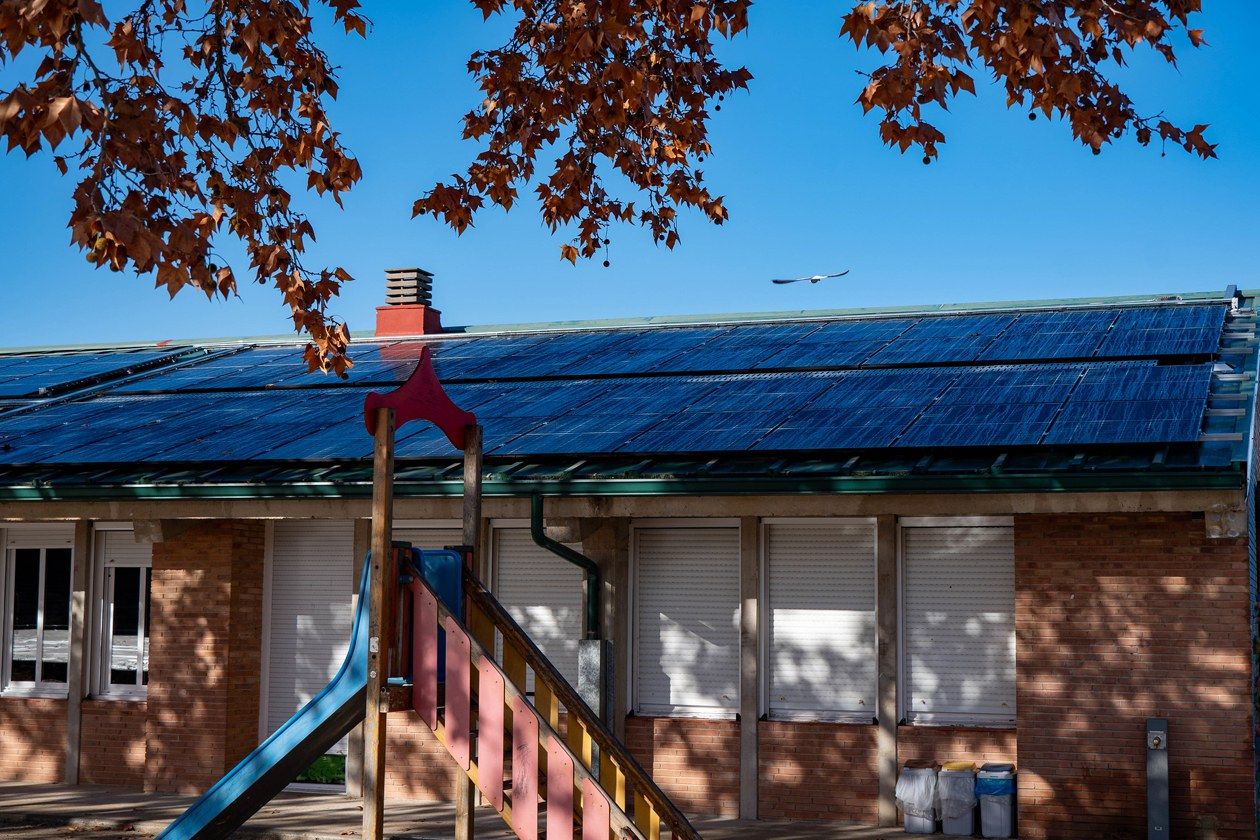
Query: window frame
point(939, 719)
point(102, 618)
point(765, 668)
point(632, 619)
point(8, 569)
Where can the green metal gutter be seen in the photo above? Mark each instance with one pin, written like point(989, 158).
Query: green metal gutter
point(594, 580)
point(753, 486)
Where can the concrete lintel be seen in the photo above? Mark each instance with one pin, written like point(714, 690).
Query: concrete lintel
point(598, 507)
point(159, 530)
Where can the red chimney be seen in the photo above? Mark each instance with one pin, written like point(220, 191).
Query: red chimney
point(408, 308)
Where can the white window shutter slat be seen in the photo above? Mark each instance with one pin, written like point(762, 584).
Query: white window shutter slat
point(687, 620)
point(543, 593)
point(821, 593)
point(959, 618)
point(312, 570)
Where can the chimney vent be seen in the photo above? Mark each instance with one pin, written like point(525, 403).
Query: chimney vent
point(408, 308)
point(408, 285)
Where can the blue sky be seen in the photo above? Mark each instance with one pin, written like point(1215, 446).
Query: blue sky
point(1013, 209)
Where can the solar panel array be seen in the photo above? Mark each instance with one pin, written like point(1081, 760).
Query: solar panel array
point(1135, 376)
point(24, 375)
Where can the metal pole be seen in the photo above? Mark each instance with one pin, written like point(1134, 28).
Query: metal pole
point(465, 790)
point(378, 626)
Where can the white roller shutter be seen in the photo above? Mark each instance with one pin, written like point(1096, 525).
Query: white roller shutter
point(119, 548)
point(821, 593)
point(958, 607)
point(312, 570)
point(430, 538)
point(42, 535)
point(543, 593)
point(687, 620)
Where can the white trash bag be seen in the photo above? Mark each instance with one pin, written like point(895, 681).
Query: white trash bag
point(916, 792)
point(957, 794)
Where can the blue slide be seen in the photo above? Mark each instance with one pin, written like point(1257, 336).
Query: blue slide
point(310, 733)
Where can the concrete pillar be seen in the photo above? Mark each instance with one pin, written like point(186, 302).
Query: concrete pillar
point(749, 660)
point(607, 542)
point(354, 743)
point(77, 673)
point(888, 621)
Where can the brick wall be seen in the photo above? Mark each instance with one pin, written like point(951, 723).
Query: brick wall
point(696, 762)
point(1120, 618)
point(204, 654)
point(112, 742)
point(817, 771)
point(32, 739)
point(417, 767)
point(955, 743)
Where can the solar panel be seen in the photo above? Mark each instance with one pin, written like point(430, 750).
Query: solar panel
point(1165, 331)
point(739, 347)
point(1134, 403)
point(946, 338)
point(838, 344)
point(994, 406)
point(26, 375)
point(1071, 334)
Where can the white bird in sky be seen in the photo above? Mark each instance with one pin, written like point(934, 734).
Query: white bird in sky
point(813, 278)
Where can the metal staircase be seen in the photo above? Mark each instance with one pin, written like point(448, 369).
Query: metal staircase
point(548, 760)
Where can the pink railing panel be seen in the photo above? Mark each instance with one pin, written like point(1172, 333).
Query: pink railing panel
point(595, 819)
point(559, 791)
point(424, 652)
point(458, 690)
point(524, 770)
point(490, 733)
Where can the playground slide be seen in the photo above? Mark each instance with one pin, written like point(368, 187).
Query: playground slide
point(276, 762)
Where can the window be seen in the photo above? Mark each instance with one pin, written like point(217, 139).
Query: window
point(820, 611)
point(35, 584)
point(543, 593)
point(958, 613)
point(686, 639)
point(125, 584)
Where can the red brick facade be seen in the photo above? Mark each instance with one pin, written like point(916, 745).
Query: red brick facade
point(417, 766)
point(112, 741)
point(32, 739)
point(1118, 618)
point(205, 654)
point(800, 763)
point(696, 762)
point(1121, 618)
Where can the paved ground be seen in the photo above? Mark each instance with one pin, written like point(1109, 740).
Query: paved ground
point(90, 812)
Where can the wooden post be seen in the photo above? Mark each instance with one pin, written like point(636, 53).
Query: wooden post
point(465, 790)
point(378, 626)
point(76, 673)
point(888, 622)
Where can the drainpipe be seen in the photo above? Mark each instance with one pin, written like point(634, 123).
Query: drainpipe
point(594, 580)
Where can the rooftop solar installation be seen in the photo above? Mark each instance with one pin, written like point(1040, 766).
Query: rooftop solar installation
point(1104, 376)
point(32, 374)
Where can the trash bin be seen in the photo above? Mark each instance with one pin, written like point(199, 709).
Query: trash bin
point(995, 787)
point(956, 790)
point(916, 796)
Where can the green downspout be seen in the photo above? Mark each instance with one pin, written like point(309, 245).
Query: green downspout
point(594, 580)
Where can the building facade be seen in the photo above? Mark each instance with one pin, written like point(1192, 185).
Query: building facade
point(828, 545)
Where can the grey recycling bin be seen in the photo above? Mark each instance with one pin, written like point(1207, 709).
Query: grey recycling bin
point(995, 788)
point(956, 790)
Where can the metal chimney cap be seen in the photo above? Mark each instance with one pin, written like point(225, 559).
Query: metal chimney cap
point(404, 286)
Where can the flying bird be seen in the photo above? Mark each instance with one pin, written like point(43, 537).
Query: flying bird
point(813, 278)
